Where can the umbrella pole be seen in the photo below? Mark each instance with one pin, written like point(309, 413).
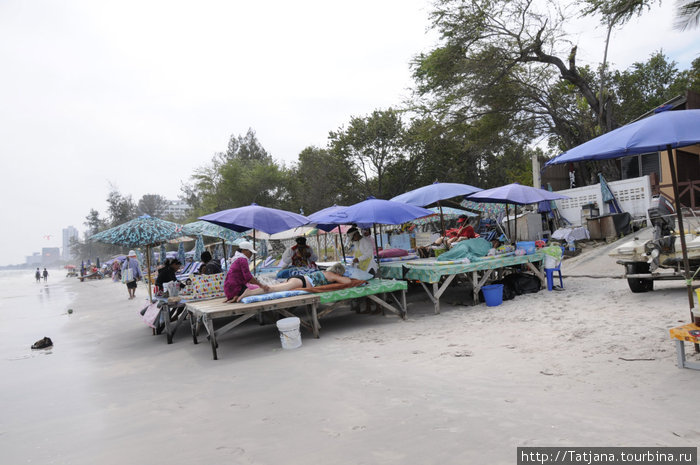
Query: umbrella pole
point(679, 215)
point(223, 249)
point(442, 219)
point(516, 223)
point(342, 247)
point(508, 223)
point(318, 243)
point(374, 226)
point(254, 267)
point(148, 272)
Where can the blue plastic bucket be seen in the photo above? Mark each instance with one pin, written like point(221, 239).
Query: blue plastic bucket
point(493, 294)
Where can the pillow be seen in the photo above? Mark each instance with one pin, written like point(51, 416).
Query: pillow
point(392, 253)
point(271, 296)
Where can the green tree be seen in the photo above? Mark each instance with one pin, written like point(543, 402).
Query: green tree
point(646, 85)
point(120, 208)
point(372, 144)
point(687, 14)
point(87, 249)
point(94, 223)
point(612, 13)
point(244, 174)
point(322, 179)
point(512, 57)
point(152, 205)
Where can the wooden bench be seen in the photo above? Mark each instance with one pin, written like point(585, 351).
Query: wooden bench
point(206, 312)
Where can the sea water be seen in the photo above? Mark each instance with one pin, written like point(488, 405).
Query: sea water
point(30, 310)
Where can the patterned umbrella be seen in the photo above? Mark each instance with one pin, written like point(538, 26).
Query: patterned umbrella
point(491, 209)
point(198, 248)
point(181, 252)
point(142, 231)
point(204, 228)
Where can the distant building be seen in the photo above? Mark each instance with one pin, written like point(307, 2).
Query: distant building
point(175, 208)
point(34, 259)
point(69, 234)
point(50, 255)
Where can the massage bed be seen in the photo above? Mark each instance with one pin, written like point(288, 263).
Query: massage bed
point(429, 271)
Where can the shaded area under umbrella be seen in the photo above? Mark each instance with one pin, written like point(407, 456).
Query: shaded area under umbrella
point(514, 194)
point(256, 217)
point(374, 211)
point(664, 131)
point(205, 228)
point(433, 194)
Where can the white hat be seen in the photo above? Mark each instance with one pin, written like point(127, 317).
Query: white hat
point(246, 245)
point(132, 253)
point(351, 232)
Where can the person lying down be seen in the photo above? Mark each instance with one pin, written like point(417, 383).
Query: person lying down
point(334, 274)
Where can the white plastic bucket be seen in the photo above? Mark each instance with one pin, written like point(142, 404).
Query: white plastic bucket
point(551, 262)
point(290, 336)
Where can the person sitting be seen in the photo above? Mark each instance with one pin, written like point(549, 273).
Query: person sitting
point(453, 235)
point(209, 265)
point(363, 251)
point(168, 272)
point(334, 274)
point(300, 255)
point(239, 278)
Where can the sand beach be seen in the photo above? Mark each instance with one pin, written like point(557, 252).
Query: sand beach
point(592, 365)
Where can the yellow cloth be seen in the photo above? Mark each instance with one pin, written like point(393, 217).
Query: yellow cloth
point(682, 333)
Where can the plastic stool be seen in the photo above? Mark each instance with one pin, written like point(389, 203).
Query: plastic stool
point(550, 277)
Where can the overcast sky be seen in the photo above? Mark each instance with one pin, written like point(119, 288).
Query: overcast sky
point(140, 93)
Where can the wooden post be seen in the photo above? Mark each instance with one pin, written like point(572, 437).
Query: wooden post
point(679, 215)
point(148, 272)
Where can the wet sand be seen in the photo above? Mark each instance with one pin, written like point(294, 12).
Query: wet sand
point(466, 386)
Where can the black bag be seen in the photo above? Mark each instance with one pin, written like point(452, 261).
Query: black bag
point(523, 283)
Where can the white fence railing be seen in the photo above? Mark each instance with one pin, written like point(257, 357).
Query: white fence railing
point(633, 195)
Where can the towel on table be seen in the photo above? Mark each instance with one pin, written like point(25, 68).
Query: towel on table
point(336, 286)
point(471, 249)
point(271, 296)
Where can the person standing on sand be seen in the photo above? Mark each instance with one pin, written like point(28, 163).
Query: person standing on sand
point(131, 273)
point(37, 275)
point(46, 275)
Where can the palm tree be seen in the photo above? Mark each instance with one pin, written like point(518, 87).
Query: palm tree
point(687, 14)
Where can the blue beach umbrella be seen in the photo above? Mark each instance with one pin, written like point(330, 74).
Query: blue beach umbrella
point(374, 211)
point(657, 133)
point(515, 194)
point(253, 216)
point(434, 193)
point(663, 131)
